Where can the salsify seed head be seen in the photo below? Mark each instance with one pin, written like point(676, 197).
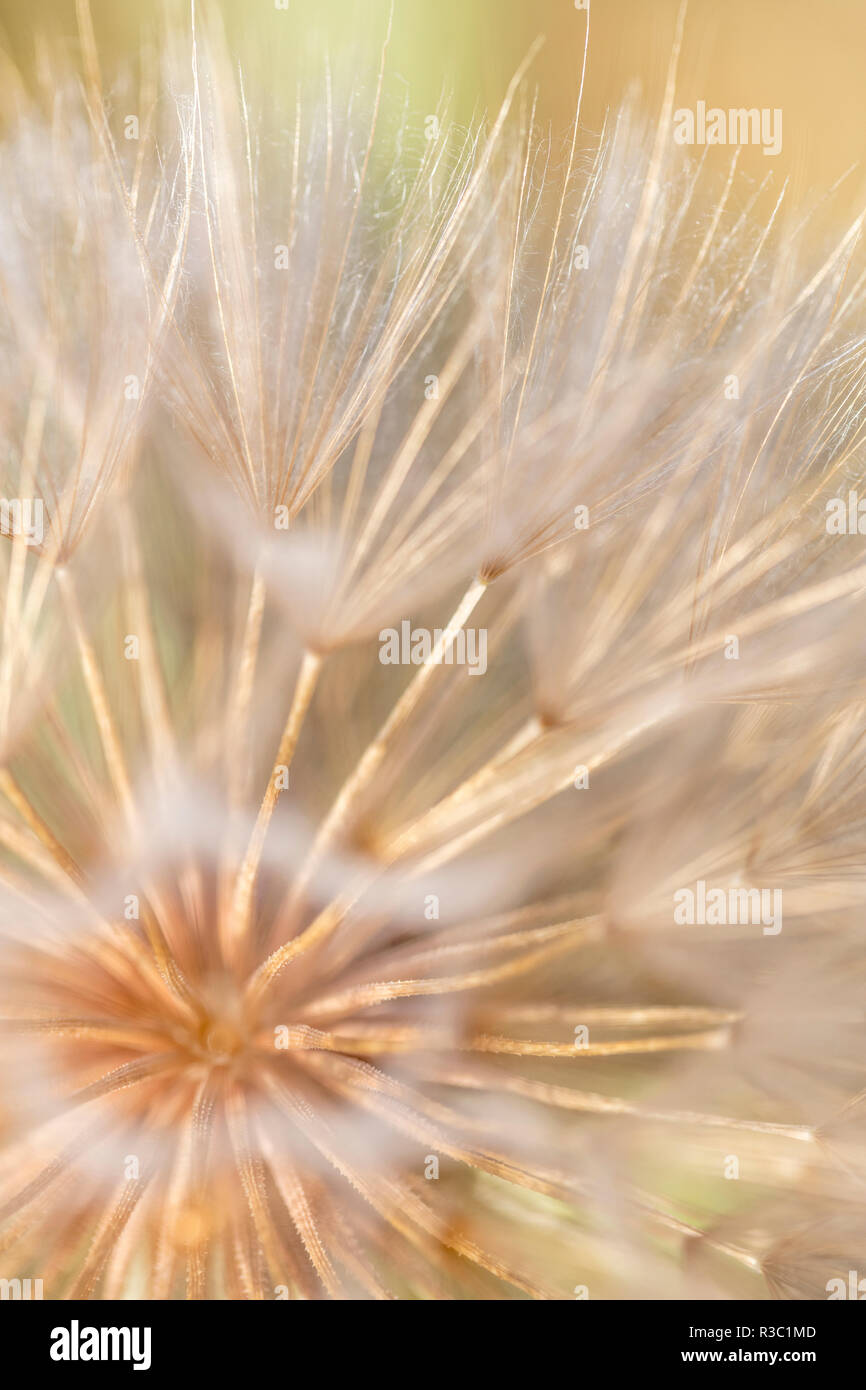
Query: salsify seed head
point(430, 718)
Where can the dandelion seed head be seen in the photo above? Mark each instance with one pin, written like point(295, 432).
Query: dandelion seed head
point(357, 978)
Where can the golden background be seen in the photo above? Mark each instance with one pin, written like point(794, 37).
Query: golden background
point(808, 59)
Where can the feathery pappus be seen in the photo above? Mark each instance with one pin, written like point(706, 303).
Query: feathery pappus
point(326, 969)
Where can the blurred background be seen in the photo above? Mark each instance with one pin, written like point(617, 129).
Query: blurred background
point(804, 58)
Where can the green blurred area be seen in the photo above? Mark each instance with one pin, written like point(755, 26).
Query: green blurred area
point(806, 59)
